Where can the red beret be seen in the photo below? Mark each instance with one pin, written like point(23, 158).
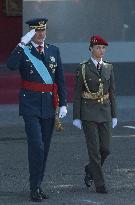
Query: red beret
point(97, 40)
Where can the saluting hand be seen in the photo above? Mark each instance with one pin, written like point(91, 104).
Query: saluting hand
point(25, 39)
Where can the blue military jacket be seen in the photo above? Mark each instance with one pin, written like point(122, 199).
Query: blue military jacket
point(32, 103)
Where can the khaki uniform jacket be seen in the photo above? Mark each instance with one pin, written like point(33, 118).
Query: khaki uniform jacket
point(89, 109)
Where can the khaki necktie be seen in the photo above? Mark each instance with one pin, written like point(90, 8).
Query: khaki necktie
point(99, 68)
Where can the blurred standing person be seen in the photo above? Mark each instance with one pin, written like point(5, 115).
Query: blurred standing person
point(42, 91)
point(94, 110)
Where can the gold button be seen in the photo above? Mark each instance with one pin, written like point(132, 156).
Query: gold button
point(101, 99)
point(99, 79)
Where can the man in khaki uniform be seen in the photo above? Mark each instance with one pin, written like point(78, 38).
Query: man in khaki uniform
point(94, 110)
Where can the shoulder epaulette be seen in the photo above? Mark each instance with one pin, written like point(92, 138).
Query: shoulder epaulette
point(84, 62)
point(106, 62)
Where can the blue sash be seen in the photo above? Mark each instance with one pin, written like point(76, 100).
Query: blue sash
point(39, 66)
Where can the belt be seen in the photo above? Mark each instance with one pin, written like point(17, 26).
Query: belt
point(39, 87)
point(100, 98)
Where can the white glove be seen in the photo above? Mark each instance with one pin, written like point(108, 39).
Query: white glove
point(77, 123)
point(63, 111)
point(114, 122)
point(25, 39)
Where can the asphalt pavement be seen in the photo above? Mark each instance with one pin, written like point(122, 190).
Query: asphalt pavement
point(64, 176)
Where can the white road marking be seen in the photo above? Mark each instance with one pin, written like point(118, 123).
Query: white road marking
point(123, 136)
point(89, 201)
point(84, 200)
point(63, 186)
point(131, 127)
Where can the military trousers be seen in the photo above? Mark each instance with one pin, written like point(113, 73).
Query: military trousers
point(39, 133)
point(97, 137)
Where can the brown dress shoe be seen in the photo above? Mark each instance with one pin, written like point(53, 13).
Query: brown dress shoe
point(101, 189)
point(88, 180)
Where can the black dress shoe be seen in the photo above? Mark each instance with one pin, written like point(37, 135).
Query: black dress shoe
point(88, 177)
point(36, 196)
point(101, 189)
point(44, 196)
point(88, 180)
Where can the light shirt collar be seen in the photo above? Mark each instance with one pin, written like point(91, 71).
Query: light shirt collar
point(36, 45)
point(96, 62)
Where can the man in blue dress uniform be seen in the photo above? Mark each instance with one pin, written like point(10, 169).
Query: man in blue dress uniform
point(42, 91)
